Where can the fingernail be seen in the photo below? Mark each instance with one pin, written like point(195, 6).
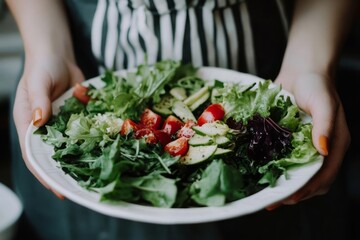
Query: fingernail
point(61, 197)
point(272, 207)
point(294, 200)
point(323, 142)
point(37, 116)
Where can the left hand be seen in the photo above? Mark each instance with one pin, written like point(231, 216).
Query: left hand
point(317, 96)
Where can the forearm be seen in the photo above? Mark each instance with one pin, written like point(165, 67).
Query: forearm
point(316, 35)
point(43, 27)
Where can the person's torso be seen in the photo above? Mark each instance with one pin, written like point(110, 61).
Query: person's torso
point(249, 36)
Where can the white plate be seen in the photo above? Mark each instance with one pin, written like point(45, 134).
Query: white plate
point(39, 154)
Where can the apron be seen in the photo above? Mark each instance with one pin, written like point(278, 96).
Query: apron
point(248, 36)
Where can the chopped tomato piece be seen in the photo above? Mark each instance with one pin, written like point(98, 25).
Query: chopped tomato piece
point(146, 133)
point(172, 124)
point(162, 136)
point(80, 93)
point(128, 126)
point(178, 147)
point(186, 130)
point(149, 119)
point(212, 113)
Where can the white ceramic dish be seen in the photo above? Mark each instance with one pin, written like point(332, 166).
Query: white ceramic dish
point(10, 212)
point(39, 155)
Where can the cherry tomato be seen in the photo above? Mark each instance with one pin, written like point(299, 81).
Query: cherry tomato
point(149, 119)
point(172, 124)
point(186, 130)
point(128, 126)
point(80, 93)
point(146, 133)
point(162, 136)
point(178, 147)
point(212, 113)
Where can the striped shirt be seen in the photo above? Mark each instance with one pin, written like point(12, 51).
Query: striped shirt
point(248, 36)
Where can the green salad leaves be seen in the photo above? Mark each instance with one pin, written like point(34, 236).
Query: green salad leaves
point(266, 137)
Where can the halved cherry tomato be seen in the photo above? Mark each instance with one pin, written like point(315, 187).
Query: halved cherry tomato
point(172, 124)
point(80, 93)
point(186, 130)
point(149, 119)
point(178, 147)
point(146, 133)
point(212, 113)
point(128, 126)
point(162, 136)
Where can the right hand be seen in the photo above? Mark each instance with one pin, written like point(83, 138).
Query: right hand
point(44, 79)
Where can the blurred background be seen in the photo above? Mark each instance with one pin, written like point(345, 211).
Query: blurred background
point(347, 79)
point(10, 61)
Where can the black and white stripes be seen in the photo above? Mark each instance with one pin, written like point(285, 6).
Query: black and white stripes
point(205, 32)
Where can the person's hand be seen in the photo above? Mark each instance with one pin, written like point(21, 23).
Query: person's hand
point(316, 95)
point(44, 79)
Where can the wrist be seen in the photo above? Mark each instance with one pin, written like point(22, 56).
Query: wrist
point(51, 48)
point(290, 77)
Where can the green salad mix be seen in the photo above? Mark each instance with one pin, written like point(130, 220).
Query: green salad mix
point(163, 136)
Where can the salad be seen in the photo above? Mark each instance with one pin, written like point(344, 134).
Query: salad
point(162, 136)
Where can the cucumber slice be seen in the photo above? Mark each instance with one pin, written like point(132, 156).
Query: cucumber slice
point(195, 96)
point(199, 140)
point(222, 141)
point(220, 152)
point(182, 111)
point(214, 93)
point(164, 106)
point(212, 129)
point(179, 93)
point(198, 154)
point(200, 101)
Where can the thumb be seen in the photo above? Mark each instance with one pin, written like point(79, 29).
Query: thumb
point(40, 101)
point(323, 115)
point(40, 98)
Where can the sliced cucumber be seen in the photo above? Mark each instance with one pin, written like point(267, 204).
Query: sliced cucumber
point(199, 140)
point(212, 129)
point(195, 96)
point(164, 106)
point(179, 93)
point(200, 101)
point(222, 141)
point(182, 111)
point(220, 152)
point(198, 154)
point(214, 93)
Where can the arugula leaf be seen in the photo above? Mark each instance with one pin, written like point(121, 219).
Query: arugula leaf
point(54, 137)
point(147, 85)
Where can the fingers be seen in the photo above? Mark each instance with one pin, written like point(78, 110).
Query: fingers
point(34, 96)
point(22, 118)
point(316, 95)
point(274, 206)
point(322, 181)
point(48, 88)
point(42, 83)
